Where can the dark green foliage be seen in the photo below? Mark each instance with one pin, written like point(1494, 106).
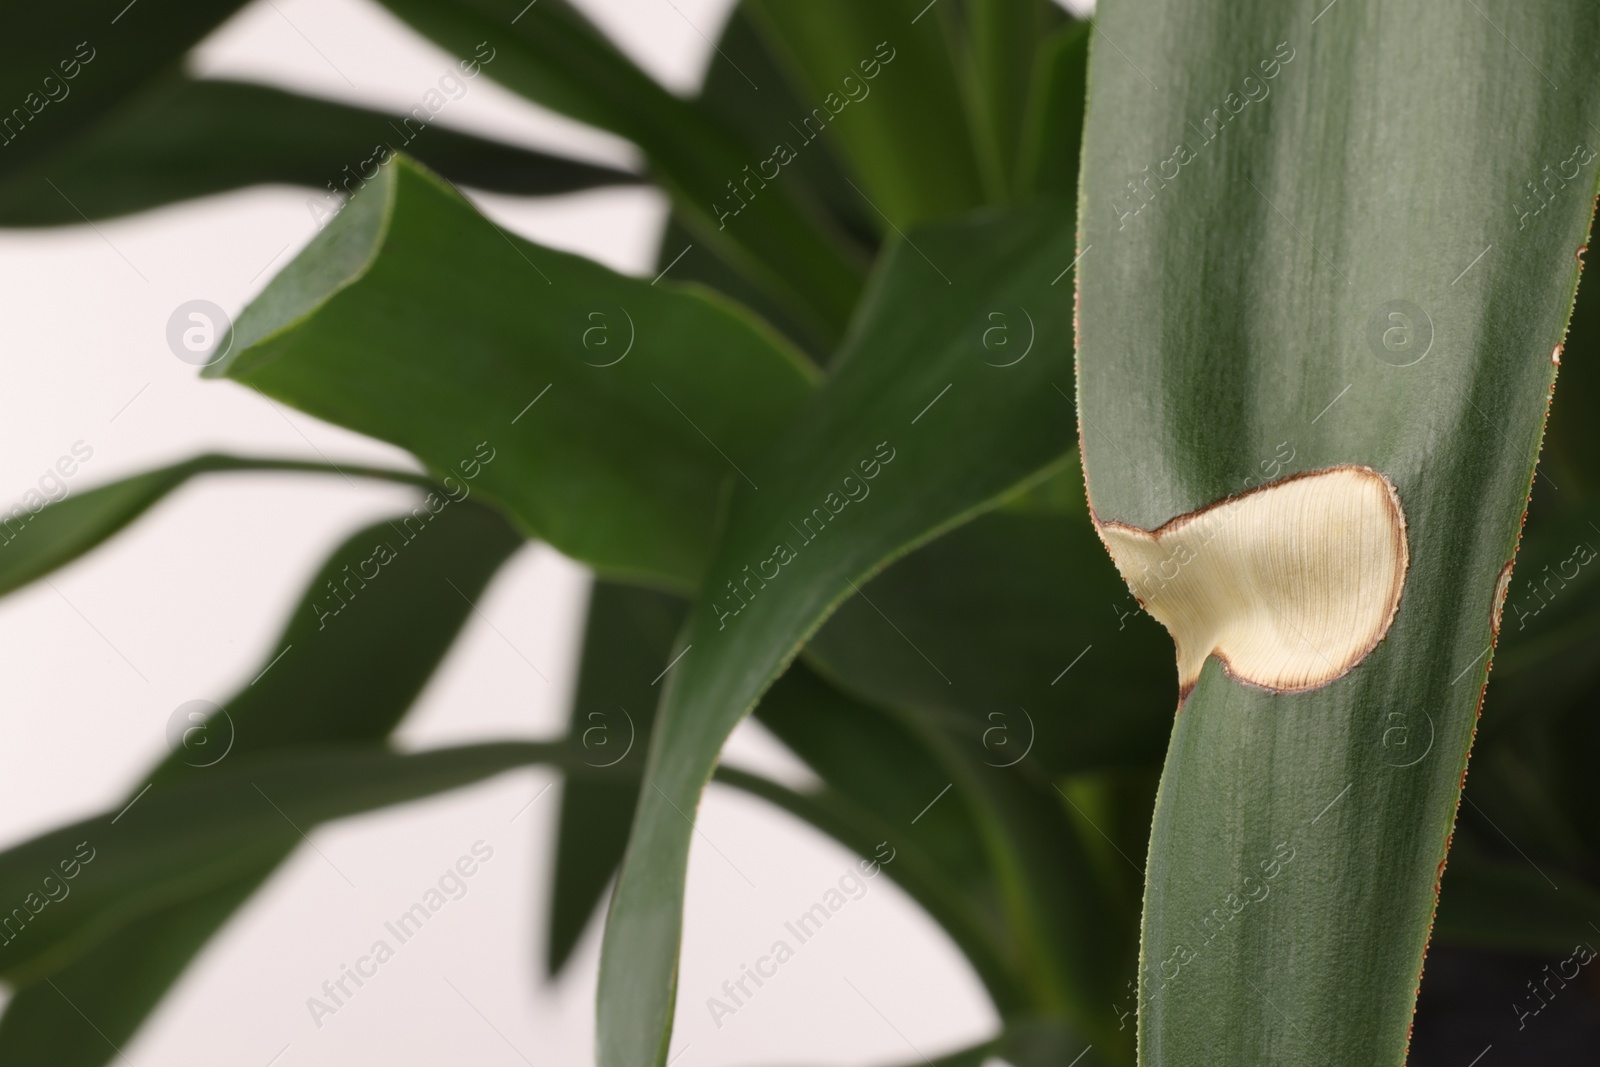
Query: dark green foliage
point(827, 470)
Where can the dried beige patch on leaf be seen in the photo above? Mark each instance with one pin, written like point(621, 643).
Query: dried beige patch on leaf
point(1290, 585)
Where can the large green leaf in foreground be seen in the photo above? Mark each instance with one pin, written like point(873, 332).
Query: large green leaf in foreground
point(919, 428)
point(1318, 235)
point(606, 413)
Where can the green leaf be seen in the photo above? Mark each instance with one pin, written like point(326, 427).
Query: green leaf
point(883, 81)
point(118, 983)
point(872, 760)
point(1053, 131)
point(761, 116)
point(57, 533)
point(911, 867)
point(1236, 326)
point(179, 842)
point(1527, 797)
point(1570, 460)
point(96, 54)
point(1005, 40)
point(185, 138)
point(1017, 634)
point(414, 319)
point(553, 55)
point(1076, 946)
point(348, 682)
point(1546, 765)
point(749, 89)
point(942, 434)
point(687, 260)
point(1531, 773)
point(1508, 905)
point(1111, 811)
point(38, 542)
point(1550, 628)
point(366, 637)
point(880, 778)
point(627, 641)
point(988, 851)
point(886, 790)
point(967, 1057)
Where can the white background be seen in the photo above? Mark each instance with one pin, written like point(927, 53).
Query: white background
point(186, 604)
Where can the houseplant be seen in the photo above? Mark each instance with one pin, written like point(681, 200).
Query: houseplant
point(827, 470)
